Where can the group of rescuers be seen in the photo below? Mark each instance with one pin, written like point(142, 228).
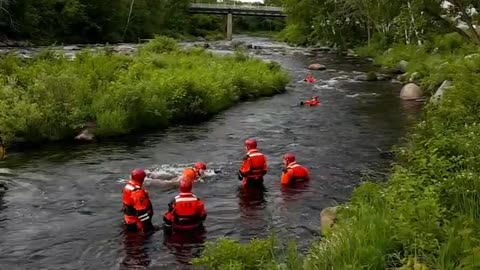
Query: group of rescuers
point(186, 211)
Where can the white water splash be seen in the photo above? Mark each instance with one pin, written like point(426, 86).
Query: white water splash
point(5, 171)
point(363, 94)
point(169, 173)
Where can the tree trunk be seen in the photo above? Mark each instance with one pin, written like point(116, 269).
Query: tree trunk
point(467, 19)
point(448, 24)
point(368, 34)
point(128, 19)
point(414, 27)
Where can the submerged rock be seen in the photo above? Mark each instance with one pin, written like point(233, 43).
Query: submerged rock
point(88, 133)
point(85, 136)
point(384, 77)
point(317, 66)
point(369, 77)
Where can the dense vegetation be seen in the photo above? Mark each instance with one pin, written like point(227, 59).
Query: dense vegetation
point(50, 97)
point(87, 21)
point(356, 22)
point(427, 215)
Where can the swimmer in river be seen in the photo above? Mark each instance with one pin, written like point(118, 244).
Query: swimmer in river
point(191, 174)
point(310, 79)
point(311, 102)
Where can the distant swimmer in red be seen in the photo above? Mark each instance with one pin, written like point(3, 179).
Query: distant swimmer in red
point(310, 79)
point(311, 102)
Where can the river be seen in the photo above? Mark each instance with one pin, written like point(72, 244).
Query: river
point(62, 206)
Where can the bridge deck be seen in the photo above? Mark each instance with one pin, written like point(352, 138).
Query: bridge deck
point(237, 9)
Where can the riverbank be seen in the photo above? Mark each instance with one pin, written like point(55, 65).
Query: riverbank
point(50, 97)
point(426, 215)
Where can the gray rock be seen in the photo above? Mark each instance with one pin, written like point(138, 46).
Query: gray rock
point(402, 66)
point(86, 136)
point(371, 76)
point(415, 77)
point(328, 218)
point(411, 91)
point(317, 66)
point(440, 91)
point(384, 77)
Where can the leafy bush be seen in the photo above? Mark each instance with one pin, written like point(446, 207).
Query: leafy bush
point(51, 97)
point(228, 254)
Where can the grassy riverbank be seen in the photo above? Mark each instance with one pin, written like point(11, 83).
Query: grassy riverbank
point(50, 97)
point(427, 215)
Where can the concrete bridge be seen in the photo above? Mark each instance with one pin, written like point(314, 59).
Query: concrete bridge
point(232, 9)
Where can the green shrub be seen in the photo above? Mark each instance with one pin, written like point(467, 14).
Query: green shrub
point(51, 97)
point(265, 254)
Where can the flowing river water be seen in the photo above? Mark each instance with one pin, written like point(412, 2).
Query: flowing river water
point(62, 206)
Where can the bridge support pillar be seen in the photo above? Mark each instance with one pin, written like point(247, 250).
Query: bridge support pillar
point(229, 26)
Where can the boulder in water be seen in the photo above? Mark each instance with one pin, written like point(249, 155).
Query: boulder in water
point(328, 218)
point(411, 91)
point(383, 77)
point(317, 66)
point(369, 77)
point(88, 133)
point(86, 136)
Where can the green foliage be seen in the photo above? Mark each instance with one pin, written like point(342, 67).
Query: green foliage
point(265, 254)
point(84, 21)
point(347, 23)
point(51, 97)
point(429, 207)
point(48, 21)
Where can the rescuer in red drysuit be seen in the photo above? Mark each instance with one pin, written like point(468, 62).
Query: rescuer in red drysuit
point(137, 207)
point(293, 171)
point(254, 165)
point(185, 211)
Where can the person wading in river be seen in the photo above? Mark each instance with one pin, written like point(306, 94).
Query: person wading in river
point(137, 207)
point(293, 171)
point(185, 211)
point(254, 165)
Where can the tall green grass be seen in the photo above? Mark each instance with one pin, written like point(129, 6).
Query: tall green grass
point(427, 216)
point(51, 97)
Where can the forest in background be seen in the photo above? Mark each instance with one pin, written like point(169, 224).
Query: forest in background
point(101, 21)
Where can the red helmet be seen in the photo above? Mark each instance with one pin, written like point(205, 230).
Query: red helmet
point(200, 166)
point(289, 158)
point(138, 175)
point(314, 97)
point(251, 143)
point(185, 186)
